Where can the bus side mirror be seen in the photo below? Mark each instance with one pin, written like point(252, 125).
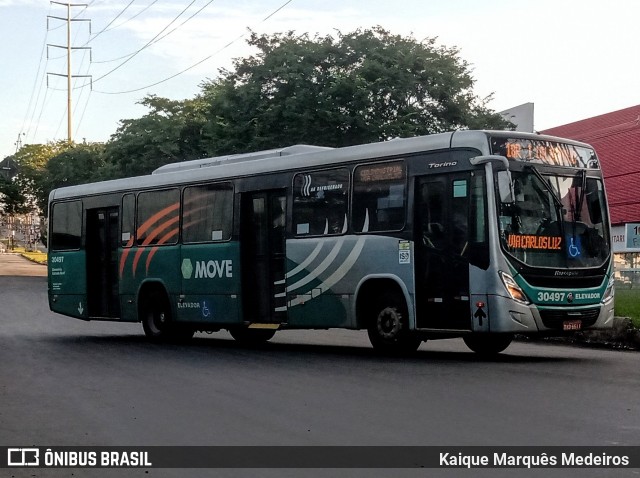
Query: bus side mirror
point(505, 187)
point(505, 184)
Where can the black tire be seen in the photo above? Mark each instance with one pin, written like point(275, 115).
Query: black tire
point(247, 336)
point(157, 320)
point(388, 327)
point(488, 345)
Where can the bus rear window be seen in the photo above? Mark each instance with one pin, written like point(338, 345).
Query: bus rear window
point(66, 229)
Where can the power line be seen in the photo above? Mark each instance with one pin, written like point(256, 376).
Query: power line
point(160, 38)
point(69, 49)
point(35, 81)
point(197, 63)
point(44, 105)
point(75, 109)
point(145, 46)
point(75, 37)
point(78, 99)
point(79, 123)
point(74, 18)
point(109, 24)
point(131, 18)
point(84, 111)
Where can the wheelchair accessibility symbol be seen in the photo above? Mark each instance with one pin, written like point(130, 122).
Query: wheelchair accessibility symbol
point(205, 310)
point(574, 247)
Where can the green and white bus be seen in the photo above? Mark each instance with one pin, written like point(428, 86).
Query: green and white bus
point(472, 234)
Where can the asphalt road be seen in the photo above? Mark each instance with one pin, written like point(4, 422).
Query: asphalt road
point(68, 382)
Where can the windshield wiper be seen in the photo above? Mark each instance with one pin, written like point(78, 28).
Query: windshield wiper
point(580, 199)
point(544, 181)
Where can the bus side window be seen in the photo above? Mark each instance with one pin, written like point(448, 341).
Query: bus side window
point(379, 197)
point(320, 203)
point(207, 213)
point(128, 221)
point(158, 217)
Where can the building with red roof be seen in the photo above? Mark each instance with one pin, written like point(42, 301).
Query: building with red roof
point(616, 139)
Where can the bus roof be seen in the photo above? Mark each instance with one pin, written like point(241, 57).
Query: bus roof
point(292, 158)
point(234, 158)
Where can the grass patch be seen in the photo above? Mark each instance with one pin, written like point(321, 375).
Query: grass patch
point(35, 256)
point(627, 304)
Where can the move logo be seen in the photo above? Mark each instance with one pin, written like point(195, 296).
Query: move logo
point(186, 268)
point(207, 269)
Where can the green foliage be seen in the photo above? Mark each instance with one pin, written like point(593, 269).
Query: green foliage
point(12, 199)
point(170, 132)
point(627, 304)
point(31, 161)
point(43, 167)
point(360, 87)
point(79, 164)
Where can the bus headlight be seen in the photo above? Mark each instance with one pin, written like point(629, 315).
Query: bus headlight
point(513, 288)
point(607, 297)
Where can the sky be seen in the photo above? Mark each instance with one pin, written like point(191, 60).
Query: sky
point(573, 59)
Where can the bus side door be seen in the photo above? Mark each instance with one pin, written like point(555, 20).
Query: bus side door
point(102, 262)
point(262, 239)
point(442, 247)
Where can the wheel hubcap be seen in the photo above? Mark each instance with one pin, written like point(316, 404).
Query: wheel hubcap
point(389, 323)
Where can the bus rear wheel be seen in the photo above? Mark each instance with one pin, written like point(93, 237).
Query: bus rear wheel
point(157, 321)
point(247, 336)
point(388, 327)
point(488, 344)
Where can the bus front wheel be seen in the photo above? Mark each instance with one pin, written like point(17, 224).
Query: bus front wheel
point(388, 328)
point(488, 344)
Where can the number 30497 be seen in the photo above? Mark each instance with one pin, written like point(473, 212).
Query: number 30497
point(551, 296)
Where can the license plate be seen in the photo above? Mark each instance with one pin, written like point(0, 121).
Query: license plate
point(572, 325)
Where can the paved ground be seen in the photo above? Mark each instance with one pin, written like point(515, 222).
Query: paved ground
point(68, 382)
point(16, 265)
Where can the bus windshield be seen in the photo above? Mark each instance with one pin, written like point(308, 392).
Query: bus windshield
point(553, 220)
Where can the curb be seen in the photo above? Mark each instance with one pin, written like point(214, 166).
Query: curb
point(622, 336)
point(31, 259)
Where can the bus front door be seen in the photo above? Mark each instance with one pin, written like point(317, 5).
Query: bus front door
point(262, 239)
point(102, 262)
point(441, 243)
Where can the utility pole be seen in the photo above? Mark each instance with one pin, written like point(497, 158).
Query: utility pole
point(69, 49)
point(19, 142)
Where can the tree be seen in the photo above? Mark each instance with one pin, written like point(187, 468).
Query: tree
point(172, 131)
point(360, 87)
point(12, 199)
point(80, 164)
point(31, 161)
